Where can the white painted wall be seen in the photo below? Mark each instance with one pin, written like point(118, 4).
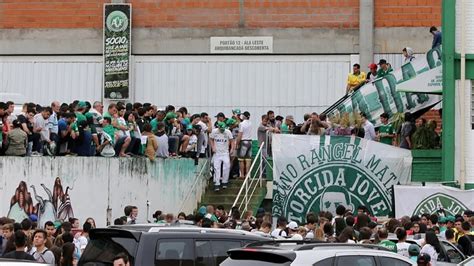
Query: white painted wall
point(98, 183)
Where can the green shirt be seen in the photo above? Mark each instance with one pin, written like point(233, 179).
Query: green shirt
point(383, 73)
point(110, 130)
point(389, 245)
point(106, 114)
point(284, 128)
point(386, 129)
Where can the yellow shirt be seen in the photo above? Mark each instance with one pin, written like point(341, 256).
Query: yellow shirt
point(354, 80)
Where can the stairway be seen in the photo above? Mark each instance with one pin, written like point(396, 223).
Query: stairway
point(226, 197)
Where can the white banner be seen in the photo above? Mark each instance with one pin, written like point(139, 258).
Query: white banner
point(313, 173)
point(416, 200)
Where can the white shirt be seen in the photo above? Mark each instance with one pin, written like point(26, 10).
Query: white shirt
point(276, 233)
point(80, 243)
point(245, 127)
point(192, 141)
point(40, 122)
point(369, 130)
point(204, 129)
point(221, 140)
point(53, 123)
point(430, 250)
point(402, 249)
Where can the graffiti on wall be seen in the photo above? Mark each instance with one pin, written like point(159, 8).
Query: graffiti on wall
point(51, 205)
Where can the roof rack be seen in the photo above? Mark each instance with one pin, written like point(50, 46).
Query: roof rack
point(278, 242)
point(366, 246)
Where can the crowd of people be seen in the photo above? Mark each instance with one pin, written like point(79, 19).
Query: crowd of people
point(63, 243)
point(55, 243)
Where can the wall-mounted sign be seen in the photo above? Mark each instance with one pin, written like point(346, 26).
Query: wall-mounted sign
point(242, 45)
point(117, 47)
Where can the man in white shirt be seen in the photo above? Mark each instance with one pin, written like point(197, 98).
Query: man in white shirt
point(206, 129)
point(280, 232)
point(244, 142)
point(369, 130)
point(41, 126)
point(220, 139)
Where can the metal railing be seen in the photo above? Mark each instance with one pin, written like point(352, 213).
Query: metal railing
point(199, 180)
point(251, 182)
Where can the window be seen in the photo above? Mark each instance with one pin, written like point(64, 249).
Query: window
point(174, 252)
point(355, 261)
point(392, 262)
point(453, 254)
point(220, 248)
point(325, 262)
point(204, 253)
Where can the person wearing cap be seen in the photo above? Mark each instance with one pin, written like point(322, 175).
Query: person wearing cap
point(17, 140)
point(236, 114)
point(221, 139)
point(191, 148)
point(244, 142)
point(293, 231)
point(355, 79)
point(372, 74)
point(220, 118)
point(384, 68)
point(413, 252)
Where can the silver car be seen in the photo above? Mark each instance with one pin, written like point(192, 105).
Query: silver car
point(317, 254)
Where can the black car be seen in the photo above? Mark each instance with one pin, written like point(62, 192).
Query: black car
point(148, 245)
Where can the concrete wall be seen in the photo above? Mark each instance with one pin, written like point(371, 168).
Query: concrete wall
point(98, 184)
point(197, 41)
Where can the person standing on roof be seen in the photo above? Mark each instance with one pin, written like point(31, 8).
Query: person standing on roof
point(372, 75)
point(408, 54)
point(437, 37)
point(355, 79)
point(385, 68)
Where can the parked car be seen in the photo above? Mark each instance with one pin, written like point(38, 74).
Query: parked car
point(317, 254)
point(164, 245)
point(14, 262)
point(449, 252)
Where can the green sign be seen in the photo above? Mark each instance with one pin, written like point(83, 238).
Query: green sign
point(316, 174)
point(117, 47)
point(440, 201)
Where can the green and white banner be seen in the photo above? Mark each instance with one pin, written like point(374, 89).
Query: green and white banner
point(117, 48)
point(416, 200)
point(418, 79)
point(313, 173)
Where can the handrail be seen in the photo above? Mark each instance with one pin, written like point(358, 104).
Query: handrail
point(250, 182)
point(198, 177)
